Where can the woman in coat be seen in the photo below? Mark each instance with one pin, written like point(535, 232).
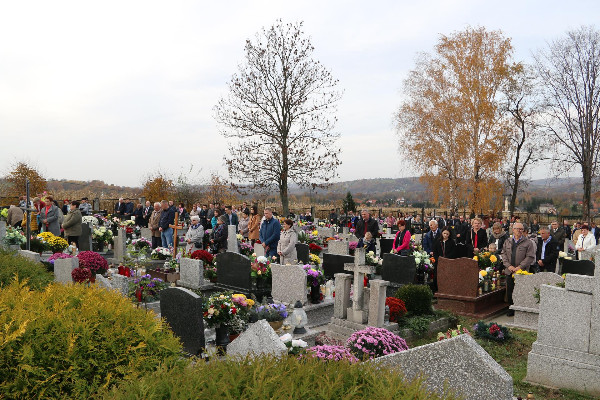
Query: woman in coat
point(194, 235)
point(72, 223)
point(585, 240)
point(254, 225)
point(243, 225)
point(445, 247)
point(218, 241)
point(498, 237)
point(477, 238)
point(401, 244)
point(286, 248)
point(50, 217)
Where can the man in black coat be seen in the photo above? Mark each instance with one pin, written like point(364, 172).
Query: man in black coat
point(333, 217)
point(128, 209)
point(547, 251)
point(147, 213)
point(460, 230)
point(558, 233)
point(366, 224)
point(119, 207)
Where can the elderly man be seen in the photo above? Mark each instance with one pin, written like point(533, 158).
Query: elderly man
point(430, 237)
point(547, 251)
point(518, 254)
point(153, 225)
point(269, 234)
point(85, 207)
point(148, 209)
point(15, 216)
point(366, 224)
point(558, 233)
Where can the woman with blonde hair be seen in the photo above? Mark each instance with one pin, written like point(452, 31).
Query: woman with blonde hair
point(477, 239)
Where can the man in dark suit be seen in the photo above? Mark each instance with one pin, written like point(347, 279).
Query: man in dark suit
point(119, 207)
point(461, 230)
point(128, 209)
point(558, 234)
point(231, 217)
point(333, 217)
point(366, 224)
point(430, 237)
point(147, 213)
point(547, 251)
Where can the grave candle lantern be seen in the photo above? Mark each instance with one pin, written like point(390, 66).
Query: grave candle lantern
point(299, 318)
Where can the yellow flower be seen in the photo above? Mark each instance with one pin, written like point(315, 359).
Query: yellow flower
point(315, 232)
point(487, 254)
point(483, 273)
point(250, 302)
point(258, 272)
point(476, 258)
point(493, 258)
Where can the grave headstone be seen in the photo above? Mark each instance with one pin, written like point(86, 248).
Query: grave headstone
point(32, 255)
point(376, 302)
point(302, 252)
point(182, 310)
point(446, 368)
point(259, 250)
point(146, 233)
point(258, 339)
point(2, 232)
point(338, 247)
point(63, 268)
point(578, 267)
point(120, 248)
point(590, 253)
point(334, 264)
point(232, 242)
point(525, 306)
point(289, 283)
point(118, 283)
point(398, 269)
point(345, 230)
point(357, 312)
point(325, 232)
point(234, 271)
point(191, 273)
point(343, 283)
point(385, 245)
point(85, 240)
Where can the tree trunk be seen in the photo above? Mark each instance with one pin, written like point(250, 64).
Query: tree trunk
point(513, 197)
point(285, 202)
point(587, 191)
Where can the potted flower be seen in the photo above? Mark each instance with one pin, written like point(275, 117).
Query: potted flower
point(315, 278)
point(53, 243)
point(239, 323)
point(14, 237)
point(161, 253)
point(101, 236)
point(372, 259)
point(146, 289)
point(274, 314)
point(203, 256)
point(167, 273)
point(260, 270)
point(82, 275)
point(246, 249)
point(220, 311)
point(93, 261)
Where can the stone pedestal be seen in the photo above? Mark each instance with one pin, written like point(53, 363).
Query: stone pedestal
point(259, 250)
point(232, 242)
point(377, 302)
point(32, 255)
point(146, 233)
point(339, 247)
point(357, 313)
point(342, 295)
point(85, 239)
point(63, 268)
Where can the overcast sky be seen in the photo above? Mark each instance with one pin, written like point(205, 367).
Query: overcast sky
point(114, 90)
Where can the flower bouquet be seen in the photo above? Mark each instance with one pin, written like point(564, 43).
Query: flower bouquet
point(93, 261)
point(102, 235)
point(210, 271)
point(314, 259)
point(260, 267)
point(56, 244)
point(486, 260)
point(141, 243)
point(270, 312)
point(397, 308)
point(309, 237)
point(146, 288)
point(314, 248)
point(314, 275)
point(246, 249)
point(373, 342)
point(202, 255)
point(161, 253)
point(14, 237)
point(4, 214)
point(89, 219)
point(220, 310)
point(491, 331)
point(423, 261)
point(81, 275)
point(295, 346)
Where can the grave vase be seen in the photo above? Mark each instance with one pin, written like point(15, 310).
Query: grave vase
point(222, 338)
point(315, 294)
point(276, 325)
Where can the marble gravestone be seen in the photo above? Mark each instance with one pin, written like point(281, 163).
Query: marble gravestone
point(118, 283)
point(85, 240)
point(385, 245)
point(232, 242)
point(182, 310)
point(334, 264)
point(63, 268)
point(259, 250)
point(578, 267)
point(302, 252)
point(289, 283)
point(525, 305)
point(325, 232)
point(456, 364)
point(259, 339)
point(191, 273)
point(339, 247)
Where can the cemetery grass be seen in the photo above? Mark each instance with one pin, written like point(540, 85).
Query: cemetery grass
point(512, 356)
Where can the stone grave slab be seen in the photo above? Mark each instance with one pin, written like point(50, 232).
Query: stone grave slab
point(525, 305)
point(85, 240)
point(339, 247)
point(32, 255)
point(257, 340)
point(376, 302)
point(302, 252)
point(289, 283)
point(118, 283)
point(334, 264)
point(385, 245)
point(578, 267)
point(460, 363)
point(458, 282)
point(232, 242)
point(259, 250)
point(191, 273)
point(63, 268)
point(182, 310)
point(398, 270)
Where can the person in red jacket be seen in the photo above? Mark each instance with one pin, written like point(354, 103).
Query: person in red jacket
point(401, 243)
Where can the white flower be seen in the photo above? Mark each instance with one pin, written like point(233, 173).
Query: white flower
point(262, 259)
point(417, 260)
point(298, 343)
point(286, 338)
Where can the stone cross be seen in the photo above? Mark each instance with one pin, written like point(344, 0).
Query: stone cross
point(232, 242)
point(357, 313)
point(175, 227)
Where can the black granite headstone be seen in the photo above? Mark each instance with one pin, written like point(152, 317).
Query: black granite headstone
point(302, 252)
point(386, 245)
point(398, 269)
point(182, 309)
point(233, 271)
point(334, 264)
point(578, 267)
point(85, 239)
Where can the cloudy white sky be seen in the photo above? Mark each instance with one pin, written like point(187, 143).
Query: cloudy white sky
point(113, 90)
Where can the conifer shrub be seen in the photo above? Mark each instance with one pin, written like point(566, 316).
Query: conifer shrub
point(417, 299)
point(68, 341)
point(12, 265)
point(272, 378)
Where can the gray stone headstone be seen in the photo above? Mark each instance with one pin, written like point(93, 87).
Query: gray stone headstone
point(325, 232)
point(232, 242)
point(376, 302)
point(345, 230)
point(259, 250)
point(182, 310)
point(342, 295)
point(2, 232)
point(85, 240)
point(191, 273)
point(460, 363)
point(525, 305)
point(398, 269)
point(63, 268)
point(96, 205)
point(32, 255)
point(302, 252)
point(338, 247)
point(146, 233)
point(120, 248)
point(259, 339)
point(120, 283)
point(289, 283)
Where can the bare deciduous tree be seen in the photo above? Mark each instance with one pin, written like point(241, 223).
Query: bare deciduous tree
point(280, 114)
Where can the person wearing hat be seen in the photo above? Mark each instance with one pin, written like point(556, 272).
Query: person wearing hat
point(218, 237)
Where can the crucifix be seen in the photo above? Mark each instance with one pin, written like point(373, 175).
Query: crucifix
point(175, 227)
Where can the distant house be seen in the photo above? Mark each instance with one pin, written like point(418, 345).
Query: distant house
point(547, 208)
point(400, 201)
point(371, 202)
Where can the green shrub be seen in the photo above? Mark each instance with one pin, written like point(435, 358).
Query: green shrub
point(67, 341)
point(272, 378)
point(417, 299)
point(12, 265)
